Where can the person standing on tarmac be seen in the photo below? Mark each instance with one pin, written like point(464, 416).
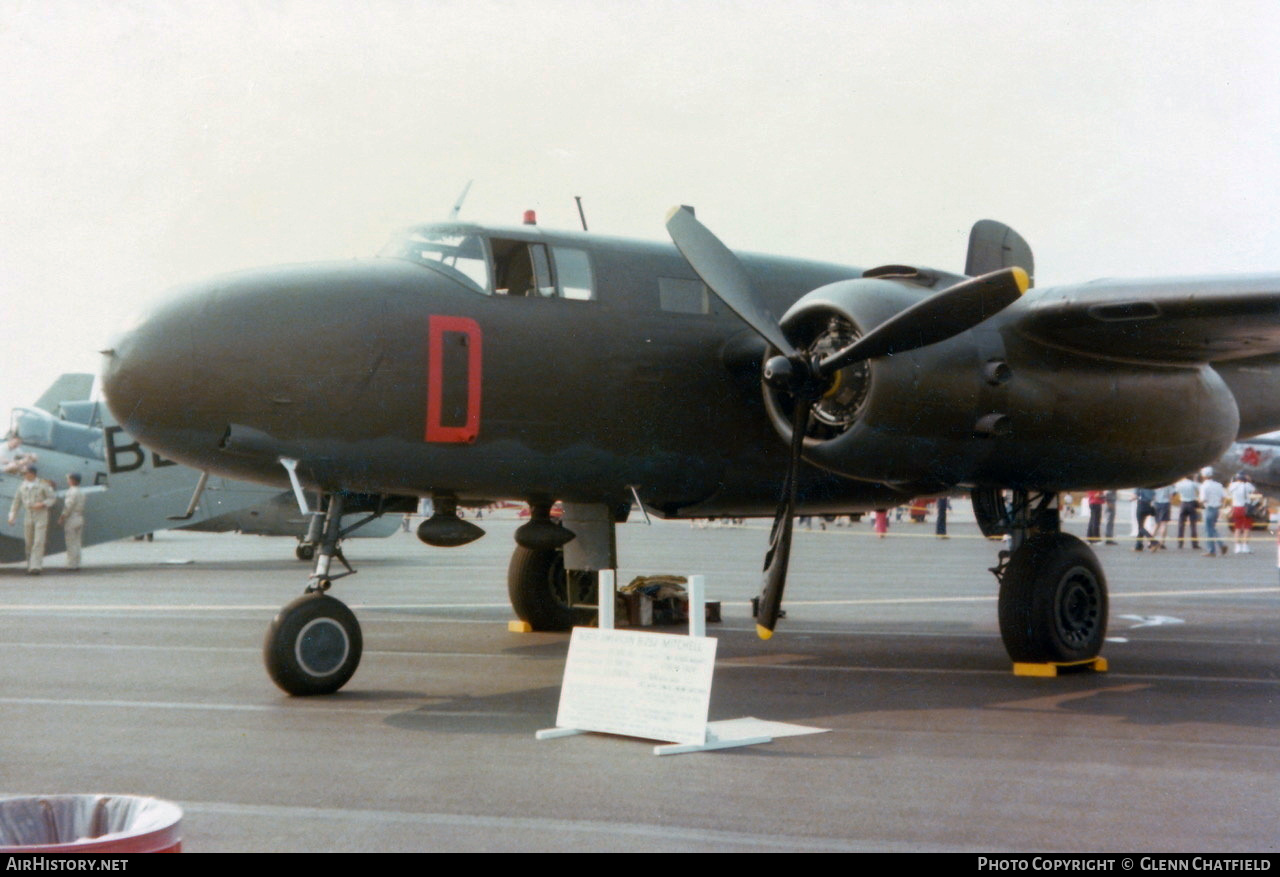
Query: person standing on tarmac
point(1163, 506)
point(1211, 495)
point(1189, 512)
point(1241, 490)
point(36, 498)
point(1093, 531)
point(72, 520)
point(1146, 508)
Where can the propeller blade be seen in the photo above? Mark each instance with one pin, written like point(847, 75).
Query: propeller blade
point(779, 554)
point(723, 274)
point(937, 318)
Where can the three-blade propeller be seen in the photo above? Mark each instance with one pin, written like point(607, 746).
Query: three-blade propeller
point(941, 316)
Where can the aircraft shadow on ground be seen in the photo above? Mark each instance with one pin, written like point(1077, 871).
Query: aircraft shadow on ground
point(838, 682)
point(881, 674)
point(511, 712)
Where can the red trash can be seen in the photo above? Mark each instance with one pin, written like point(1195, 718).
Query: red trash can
point(90, 824)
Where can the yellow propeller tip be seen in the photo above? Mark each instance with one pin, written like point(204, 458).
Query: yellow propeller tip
point(1022, 279)
point(763, 632)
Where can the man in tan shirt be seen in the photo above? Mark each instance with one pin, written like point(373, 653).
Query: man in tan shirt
point(36, 498)
point(72, 519)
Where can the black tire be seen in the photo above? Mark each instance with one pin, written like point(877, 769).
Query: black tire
point(1053, 601)
point(305, 551)
point(313, 645)
point(539, 588)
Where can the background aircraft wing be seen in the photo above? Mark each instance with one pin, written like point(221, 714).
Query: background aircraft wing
point(1177, 321)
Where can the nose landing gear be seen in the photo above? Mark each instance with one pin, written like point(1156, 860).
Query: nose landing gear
point(314, 644)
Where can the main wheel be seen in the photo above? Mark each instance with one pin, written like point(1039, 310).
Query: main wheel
point(541, 590)
point(305, 551)
point(313, 645)
point(1053, 601)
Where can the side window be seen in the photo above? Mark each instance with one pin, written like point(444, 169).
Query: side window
point(683, 296)
point(521, 268)
point(573, 268)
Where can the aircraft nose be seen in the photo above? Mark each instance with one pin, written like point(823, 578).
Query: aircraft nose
point(285, 354)
point(149, 368)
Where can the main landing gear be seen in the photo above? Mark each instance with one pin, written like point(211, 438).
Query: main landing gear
point(545, 594)
point(553, 579)
point(313, 646)
point(1053, 594)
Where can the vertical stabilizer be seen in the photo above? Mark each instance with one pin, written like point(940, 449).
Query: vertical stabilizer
point(994, 245)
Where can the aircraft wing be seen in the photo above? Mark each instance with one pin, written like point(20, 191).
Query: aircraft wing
point(1190, 320)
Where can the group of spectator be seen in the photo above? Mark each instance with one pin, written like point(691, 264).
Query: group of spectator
point(35, 498)
point(1195, 494)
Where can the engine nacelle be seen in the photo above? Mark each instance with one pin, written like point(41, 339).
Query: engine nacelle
point(823, 322)
point(989, 407)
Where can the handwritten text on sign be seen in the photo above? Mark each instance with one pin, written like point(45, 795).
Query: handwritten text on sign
point(649, 685)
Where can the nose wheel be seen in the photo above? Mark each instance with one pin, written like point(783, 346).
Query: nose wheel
point(313, 646)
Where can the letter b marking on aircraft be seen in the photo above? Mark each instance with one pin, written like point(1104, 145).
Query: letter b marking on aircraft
point(126, 458)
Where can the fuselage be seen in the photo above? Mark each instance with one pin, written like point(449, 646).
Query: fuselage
point(396, 375)
point(517, 363)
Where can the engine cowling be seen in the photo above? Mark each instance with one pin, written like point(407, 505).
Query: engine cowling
point(861, 394)
point(988, 407)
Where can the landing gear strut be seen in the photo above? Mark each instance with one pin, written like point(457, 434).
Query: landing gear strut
point(313, 646)
point(1053, 594)
point(306, 549)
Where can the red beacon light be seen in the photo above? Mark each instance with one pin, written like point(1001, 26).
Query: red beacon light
point(530, 217)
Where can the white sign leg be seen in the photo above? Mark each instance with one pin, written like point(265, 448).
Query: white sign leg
point(607, 598)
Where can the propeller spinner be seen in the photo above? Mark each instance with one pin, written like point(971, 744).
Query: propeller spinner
point(806, 378)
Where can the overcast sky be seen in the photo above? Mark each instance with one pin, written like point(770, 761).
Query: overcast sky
point(145, 144)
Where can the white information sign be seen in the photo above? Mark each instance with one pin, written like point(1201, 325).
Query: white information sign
point(651, 685)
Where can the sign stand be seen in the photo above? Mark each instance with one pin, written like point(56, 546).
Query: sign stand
point(650, 685)
point(713, 741)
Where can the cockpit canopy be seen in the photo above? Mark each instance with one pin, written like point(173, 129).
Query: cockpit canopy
point(495, 265)
point(40, 429)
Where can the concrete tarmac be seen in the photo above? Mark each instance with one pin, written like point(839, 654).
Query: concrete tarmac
point(142, 674)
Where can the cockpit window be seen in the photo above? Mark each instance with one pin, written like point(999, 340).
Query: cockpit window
point(462, 256)
point(34, 427)
point(40, 429)
point(519, 267)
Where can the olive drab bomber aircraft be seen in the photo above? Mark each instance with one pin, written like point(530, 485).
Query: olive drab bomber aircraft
point(470, 364)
